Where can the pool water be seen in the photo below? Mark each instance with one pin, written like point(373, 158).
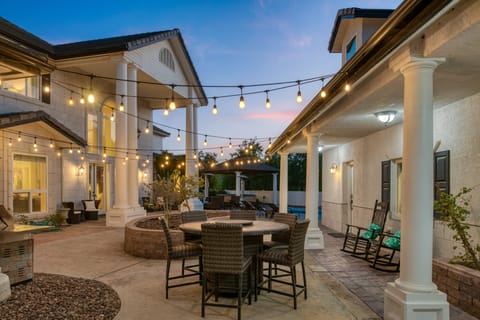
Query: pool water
point(300, 212)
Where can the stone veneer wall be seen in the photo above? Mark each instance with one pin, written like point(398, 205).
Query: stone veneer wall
point(461, 284)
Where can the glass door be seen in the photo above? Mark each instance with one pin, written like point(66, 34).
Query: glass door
point(96, 184)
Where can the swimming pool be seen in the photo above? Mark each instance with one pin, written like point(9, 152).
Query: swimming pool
point(300, 212)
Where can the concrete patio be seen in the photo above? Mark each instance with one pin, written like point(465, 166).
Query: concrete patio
point(337, 283)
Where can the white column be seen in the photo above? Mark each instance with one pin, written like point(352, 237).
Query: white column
point(237, 183)
point(414, 296)
point(314, 238)
point(120, 185)
point(283, 206)
point(132, 137)
point(190, 147)
point(275, 189)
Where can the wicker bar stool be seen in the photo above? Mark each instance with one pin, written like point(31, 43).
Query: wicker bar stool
point(281, 238)
point(243, 215)
point(183, 251)
point(287, 256)
point(222, 256)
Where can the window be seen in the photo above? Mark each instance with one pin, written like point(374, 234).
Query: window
point(29, 184)
point(351, 48)
point(92, 125)
point(166, 58)
point(29, 87)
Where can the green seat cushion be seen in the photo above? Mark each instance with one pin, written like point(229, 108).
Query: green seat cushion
point(393, 242)
point(372, 232)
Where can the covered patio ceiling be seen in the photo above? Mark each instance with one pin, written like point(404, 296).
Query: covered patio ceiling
point(349, 116)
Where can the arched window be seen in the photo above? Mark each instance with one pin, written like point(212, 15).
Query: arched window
point(166, 57)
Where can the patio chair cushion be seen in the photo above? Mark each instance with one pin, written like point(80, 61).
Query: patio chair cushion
point(393, 242)
point(372, 232)
point(90, 205)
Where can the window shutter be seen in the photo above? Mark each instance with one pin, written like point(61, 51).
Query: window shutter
point(386, 180)
point(441, 174)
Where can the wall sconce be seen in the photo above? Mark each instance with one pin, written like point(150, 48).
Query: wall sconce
point(81, 170)
point(385, 117)
point(145, 174)
point(333, 168)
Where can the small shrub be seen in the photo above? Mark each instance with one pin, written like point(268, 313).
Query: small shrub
point(56, 219)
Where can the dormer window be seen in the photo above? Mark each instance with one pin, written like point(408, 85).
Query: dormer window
point(351, 48)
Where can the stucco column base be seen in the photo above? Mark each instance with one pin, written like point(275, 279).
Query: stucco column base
point(119, 217)
point(193, 203)
point(5, 291)
point(404, 305)
point(314, 239)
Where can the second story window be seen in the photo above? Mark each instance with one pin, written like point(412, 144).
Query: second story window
point(351, 48)
point(29, 87)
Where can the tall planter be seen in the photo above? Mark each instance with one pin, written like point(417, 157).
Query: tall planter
point(460, 283)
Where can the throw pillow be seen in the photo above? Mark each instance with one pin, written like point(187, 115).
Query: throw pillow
point(90, 206)
point(393, 242)
point(372, 232)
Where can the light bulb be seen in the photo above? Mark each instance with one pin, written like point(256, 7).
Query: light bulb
point(230, 143)
point(172, 105)
point(347, 87)
point(178, 136)
point(82, 100)
point(221, 152)
point(241, 103)
point(59, 154)
point(214, 109)
point(122, 107)
point(137, 157)
point(35, 145)
point(70, 101)
point(165, 112)
point(112, 117)
point(46, 88)
point(147, 128)
point(51, 145)
point(299, 96)
point(323, 94)
point(19, 138)
point(91, 98)
point(205, 141)
point(10, 142)
point(267, 103)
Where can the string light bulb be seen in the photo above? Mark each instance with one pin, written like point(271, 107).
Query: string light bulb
point(230, 143)
point(241, 104)
point(269, 143)
point(10, 142)
point(137, 156)
point(82, 98)
point(194, 155)
point(71, 149)
point(147, 127)
point(126, 157)
point(165, 112)
point(91, 97)
point(70, 100)
point(178, 135)
point(104, 152)
point(112, 116)
point(323, 93)
point(19, 138)
point(214, 109)
point(205, 143)
point(122, 105)
point(299, 93)
point(172, 105)
point(35, 145)
point(267, 101)
point(51, 145)
point(221, 151)
point(347, 87)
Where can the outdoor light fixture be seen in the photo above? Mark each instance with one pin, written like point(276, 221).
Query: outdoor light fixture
point(178, 135)
point(81, 170)
point(333, 168)
point(82, 98)
point(70, 101)
point(320, 148)
point(147, 128)
point(91, 97)
point(299, 93)
point(214, 109)
point(386, 117)
point(323, 94)
point(267, 101)
point(122, 105)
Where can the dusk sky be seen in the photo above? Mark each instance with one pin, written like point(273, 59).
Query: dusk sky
point(230, 43)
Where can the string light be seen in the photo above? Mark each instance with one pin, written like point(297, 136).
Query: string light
point(165, 112)
point(91, 97)
point(230, 143)
point(147, 128)
point(59, 154)
point(267, 101)
point(221, 151)
point(104, 152)
point(195, 155)
point(214, 109)
point(178, 135)
point(137, 156)
point(172, 101)
point(122, 105)
point(126, 157)
point(323, 93)
point(347, 87)
point(10, 142)
point(71, 149)
point(51, 145)
point(269, 143)
point(82, 98)
point(35, 145)
point(299, 93)
point(241, 104)
point(112, 116)
point(205, 143)
point(70, 101)
point(19, 138)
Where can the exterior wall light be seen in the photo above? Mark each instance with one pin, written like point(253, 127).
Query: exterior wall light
point(333, 168)
point(386, 117)
point(81, 170)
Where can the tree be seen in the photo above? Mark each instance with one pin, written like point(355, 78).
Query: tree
point(250, 148)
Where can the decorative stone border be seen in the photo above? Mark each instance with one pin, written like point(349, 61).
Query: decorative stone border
point(461, 284)
point(148, 243)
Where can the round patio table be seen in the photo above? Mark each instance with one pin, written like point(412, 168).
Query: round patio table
point(253, 232)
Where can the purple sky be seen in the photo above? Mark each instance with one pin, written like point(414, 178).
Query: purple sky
point(230, 43)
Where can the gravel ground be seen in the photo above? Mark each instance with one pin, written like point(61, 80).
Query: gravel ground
point(51, 296)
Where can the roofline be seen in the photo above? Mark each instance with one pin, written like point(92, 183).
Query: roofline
point(160, 132)
point(352, 13)
point(34, 116)
point(404, 21)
